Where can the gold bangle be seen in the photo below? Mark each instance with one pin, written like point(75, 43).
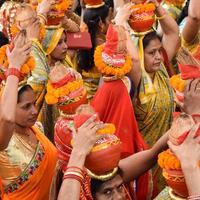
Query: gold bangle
point(104, 177)
point(41, 16)
point(174, 196)
point(95, 6)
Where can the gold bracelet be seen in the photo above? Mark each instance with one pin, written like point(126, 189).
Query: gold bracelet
point(174, 196)
point(95, 6)
point(104, 177)
point(43, 18)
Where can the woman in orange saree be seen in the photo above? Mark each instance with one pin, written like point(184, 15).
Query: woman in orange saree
point(27, 158)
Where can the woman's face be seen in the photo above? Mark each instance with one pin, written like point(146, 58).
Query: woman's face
point(112, 189)
point(26, 112)
point(153, 56)
point(60, 52)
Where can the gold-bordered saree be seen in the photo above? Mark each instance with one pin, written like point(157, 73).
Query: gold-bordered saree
point(154, 111)
point(27, 170)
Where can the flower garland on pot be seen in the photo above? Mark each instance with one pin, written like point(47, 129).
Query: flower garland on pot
point(111, 58)
point(168, 161)
point(65, 88)
point(107, 69)
point(142, 17)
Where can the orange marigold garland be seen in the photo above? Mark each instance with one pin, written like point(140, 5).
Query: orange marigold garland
point(53, 94)
point(63, 5)
point(108, 129)
point(177, 83)
point(167, 160)
point(108, 69)
point(25, 69)
point(143, 8)
point(14, 30)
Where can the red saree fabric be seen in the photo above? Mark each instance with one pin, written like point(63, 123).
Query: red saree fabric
point(189, 71)
point(113, 104)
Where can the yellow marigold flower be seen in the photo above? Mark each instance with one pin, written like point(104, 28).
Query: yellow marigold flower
point(51, 99)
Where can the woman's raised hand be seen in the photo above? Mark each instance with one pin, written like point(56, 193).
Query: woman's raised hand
point(86, 136)
point(45, 6)
point(20, 52)
point(123, 14)
point(189, 151)
point(192, 97)
point(33, 29)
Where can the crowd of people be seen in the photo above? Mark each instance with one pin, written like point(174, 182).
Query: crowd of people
point(88, 119)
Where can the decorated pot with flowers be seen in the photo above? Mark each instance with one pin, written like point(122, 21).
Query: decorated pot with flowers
point(172, 173)
point(65, 88)
point(111, 58)
point(168, 161)
point(105, 154)
point(142, 17)
point(57, 13)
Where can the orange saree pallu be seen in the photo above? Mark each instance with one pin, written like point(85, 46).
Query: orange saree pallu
point(113, 104)
point(35, 181)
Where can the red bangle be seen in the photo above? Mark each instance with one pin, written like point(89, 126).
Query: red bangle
point(13, 71)
point(71, 176)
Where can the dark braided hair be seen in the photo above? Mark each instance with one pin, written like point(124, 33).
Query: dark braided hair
point(92, 17)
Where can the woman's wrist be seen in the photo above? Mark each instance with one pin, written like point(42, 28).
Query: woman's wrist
point(77, 158)
point(43, 18)
point(191, 172)
point(160, 11)
point(13, 71)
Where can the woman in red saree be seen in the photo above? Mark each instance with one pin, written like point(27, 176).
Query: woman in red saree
point(112, 101)
point(113, 104)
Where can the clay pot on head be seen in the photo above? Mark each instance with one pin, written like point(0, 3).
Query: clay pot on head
point(104, 156)
point(53, 20)
point(176, 181)
point(142, 17)
point(106, 152)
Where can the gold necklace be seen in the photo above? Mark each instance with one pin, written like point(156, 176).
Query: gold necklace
point(26, 140)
